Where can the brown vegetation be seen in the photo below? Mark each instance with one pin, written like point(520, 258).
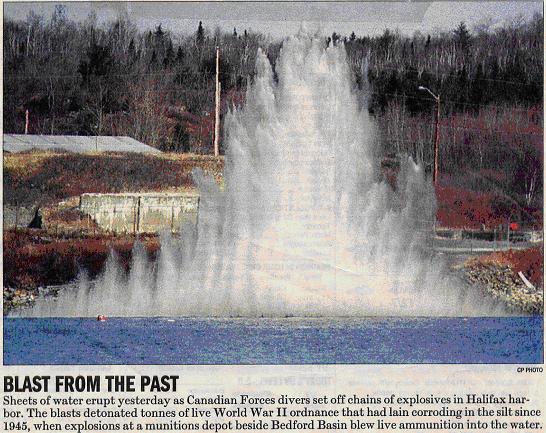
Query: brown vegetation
point(490, 161)
point(497, 275)
point(53, 181)
point(463, 208)
point(47, 178)
point(33, 258)
point(529, 261)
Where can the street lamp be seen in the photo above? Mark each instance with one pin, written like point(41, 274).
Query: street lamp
point(436, 133)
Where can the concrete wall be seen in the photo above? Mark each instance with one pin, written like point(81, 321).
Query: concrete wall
point(140, 213)
point(490, 235)
point(17, 216)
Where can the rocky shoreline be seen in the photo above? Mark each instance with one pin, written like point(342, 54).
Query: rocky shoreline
point(38, 265)
point(502, 283)
point(17, 298)
point(497, 281)
point(25, 298)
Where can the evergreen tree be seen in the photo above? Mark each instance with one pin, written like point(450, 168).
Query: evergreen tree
point(179, 55)
point(462, 37)
point(169, 55)
point(153, 60)
point(159, 33)
point(200, 35)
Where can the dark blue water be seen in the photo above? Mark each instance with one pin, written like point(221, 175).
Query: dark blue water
point(273, 341)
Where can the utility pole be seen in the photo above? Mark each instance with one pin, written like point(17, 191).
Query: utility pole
point(217, 115)
point(26, 122)
point(436, 141)
point(436, 134)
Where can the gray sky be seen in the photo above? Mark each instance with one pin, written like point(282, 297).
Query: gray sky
point(283, 18)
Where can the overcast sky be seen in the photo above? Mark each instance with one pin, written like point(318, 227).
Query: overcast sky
point(282, 18)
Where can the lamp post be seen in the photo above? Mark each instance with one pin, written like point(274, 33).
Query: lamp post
point(217, 105)
point(436, 134)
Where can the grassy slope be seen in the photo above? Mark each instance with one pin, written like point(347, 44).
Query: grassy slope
point(38, 178)
point(46, 178)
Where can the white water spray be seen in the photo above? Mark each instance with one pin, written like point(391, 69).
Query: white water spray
point(304, 226)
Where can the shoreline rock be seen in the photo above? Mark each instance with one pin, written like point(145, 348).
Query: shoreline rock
point(25, 298)
point(503, 284)
point(18, 298)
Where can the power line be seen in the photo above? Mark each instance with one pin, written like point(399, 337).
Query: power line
point(428, 140)
point(438, 75)
point(500, 131)
point(396, 95)
point(80, 76)
point(448, 101)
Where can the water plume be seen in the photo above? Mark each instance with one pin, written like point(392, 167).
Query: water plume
point(304, 227)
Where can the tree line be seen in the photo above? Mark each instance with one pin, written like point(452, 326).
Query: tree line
point(87, 78)
point(158, 87)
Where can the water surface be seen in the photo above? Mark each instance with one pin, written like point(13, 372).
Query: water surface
point(272, 341)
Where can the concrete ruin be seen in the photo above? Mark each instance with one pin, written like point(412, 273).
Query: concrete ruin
point(140, 212)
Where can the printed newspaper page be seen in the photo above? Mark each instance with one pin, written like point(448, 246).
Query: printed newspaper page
point(273, 216)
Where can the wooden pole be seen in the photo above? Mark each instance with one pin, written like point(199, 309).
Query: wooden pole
point(433, 236)
point(436, 141)
point(217, 111)
point(26, 122)
point(495, 239)
point(138, 217)
point(436, 134)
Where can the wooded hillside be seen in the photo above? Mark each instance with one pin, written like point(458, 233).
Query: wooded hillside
point(158, 87)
